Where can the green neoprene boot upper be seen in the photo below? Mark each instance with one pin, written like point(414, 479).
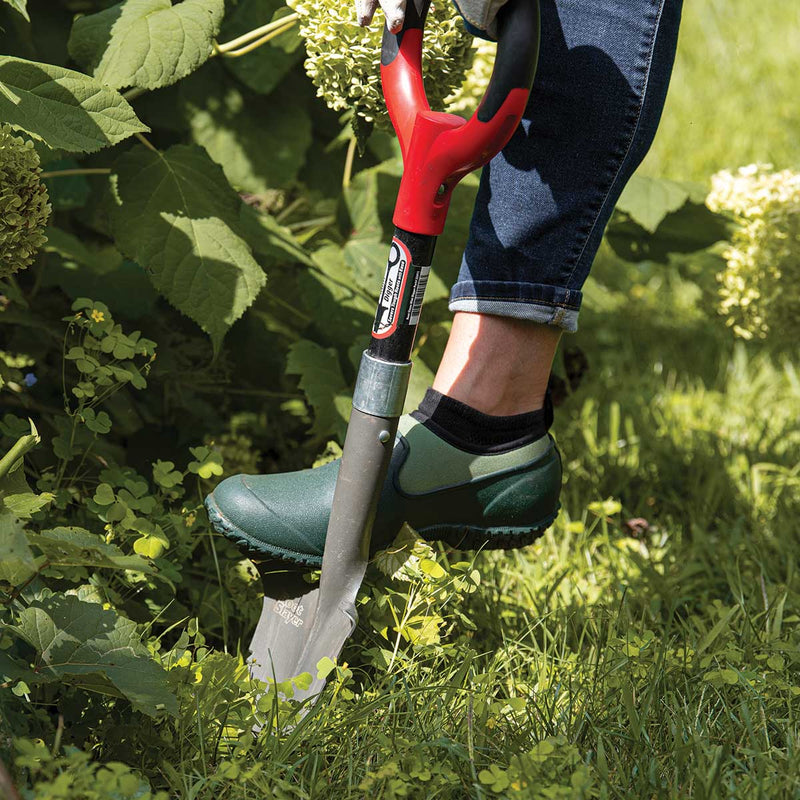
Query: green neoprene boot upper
point(470, 501)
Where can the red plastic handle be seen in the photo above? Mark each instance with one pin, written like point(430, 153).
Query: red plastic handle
point(440, 149)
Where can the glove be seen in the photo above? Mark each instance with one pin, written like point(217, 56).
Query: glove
point(480, 16)
point(394, 11)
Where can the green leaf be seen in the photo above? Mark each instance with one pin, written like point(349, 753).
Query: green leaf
point(268, 238)
point(74, 638)
point(25, 504)
point(63, 108)
point(367, 258)
point(77, 547)
point(104, 495)
point(322, 381)
point(722, 625)
point(257, 148)
point(432, 569)
point(66, 191)
point(208, 463)
point(179, 218)
point(730, 676)
point(20, 6)
point(330, 293)
point(324, 668)
point(266, 66)
point(72, 249)
point(165, 474)
point(691, 228)
point(146, 43)
point(648, 200)
point(149, 546)
point(17, 563)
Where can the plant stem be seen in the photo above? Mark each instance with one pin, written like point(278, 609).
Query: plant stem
point(18, 450)
point(145, 142)
point(256, 33)
point(287, 212)
point(310, 223)
point(256, 44)
point(132, 94)
point(65, 173)
point(22, 587)
point(348, 163)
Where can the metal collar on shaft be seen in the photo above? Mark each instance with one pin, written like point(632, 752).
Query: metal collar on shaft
point(381, 386)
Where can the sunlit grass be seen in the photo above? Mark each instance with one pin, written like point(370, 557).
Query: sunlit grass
point(614, 658)
point(733, 96)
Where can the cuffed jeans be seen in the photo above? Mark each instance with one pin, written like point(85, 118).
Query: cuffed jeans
point(545, 200)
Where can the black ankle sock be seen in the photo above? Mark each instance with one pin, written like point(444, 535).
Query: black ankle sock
point(472, 430)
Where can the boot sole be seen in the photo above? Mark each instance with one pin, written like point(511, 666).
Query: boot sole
point(459, 537)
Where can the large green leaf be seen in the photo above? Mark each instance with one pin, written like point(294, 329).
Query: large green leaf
point(333, 297)
point(265, 67)
point(178, 217)
point(146, 43)
point(21, 6)
point(71, 248)
point(648, 200)
point(322, 381)
point(691, 228)
point(124, 285)
point(66, 109)
point(17, 562)
point(76, 547)
point(258, 147)
point(268, 238)
point(73, 638)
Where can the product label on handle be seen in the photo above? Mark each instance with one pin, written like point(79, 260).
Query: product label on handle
point(394, 284)
point(417, 295)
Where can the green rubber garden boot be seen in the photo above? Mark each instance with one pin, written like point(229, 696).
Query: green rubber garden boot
point(469, 501)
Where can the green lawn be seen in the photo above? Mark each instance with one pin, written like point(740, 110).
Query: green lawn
point(733, 98)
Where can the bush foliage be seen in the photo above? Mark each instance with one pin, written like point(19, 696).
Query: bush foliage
point(213, 257)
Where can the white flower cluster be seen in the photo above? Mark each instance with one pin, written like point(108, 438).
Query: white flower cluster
point(24, 206)
point(344, 59)
point(468, 96)
point(760, 287)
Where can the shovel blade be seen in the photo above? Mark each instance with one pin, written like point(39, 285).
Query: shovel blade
point(294, 632)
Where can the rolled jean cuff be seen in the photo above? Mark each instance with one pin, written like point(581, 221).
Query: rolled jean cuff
point(538, 302)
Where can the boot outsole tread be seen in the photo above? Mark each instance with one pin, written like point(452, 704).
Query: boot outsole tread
point(459, 537)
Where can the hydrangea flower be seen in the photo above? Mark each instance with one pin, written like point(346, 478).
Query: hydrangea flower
point(466, 98)
point(759, 286)
point(344, 59)
point(24, 206)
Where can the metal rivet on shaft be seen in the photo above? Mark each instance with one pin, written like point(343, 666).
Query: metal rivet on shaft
point(383, 437)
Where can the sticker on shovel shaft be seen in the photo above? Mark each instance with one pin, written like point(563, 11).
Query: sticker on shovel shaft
point(394, 284)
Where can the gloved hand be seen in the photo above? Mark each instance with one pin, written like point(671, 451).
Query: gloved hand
point(478, 14)
point(394, 11)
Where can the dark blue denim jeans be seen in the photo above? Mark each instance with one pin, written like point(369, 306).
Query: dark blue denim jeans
point(545, 200)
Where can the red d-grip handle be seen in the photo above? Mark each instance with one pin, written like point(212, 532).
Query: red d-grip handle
point(440, 149)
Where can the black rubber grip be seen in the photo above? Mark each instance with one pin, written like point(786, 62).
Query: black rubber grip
point(517, 54)
point(416, 12)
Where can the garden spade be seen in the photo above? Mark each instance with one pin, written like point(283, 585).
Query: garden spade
point(303, 625)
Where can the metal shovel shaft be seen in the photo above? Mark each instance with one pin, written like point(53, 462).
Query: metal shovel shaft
point(378, 401)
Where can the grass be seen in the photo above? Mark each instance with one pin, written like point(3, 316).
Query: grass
point(647, 646)
point(732, 99)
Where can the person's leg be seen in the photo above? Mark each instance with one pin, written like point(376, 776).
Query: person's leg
point(544, 202)
point(497, 365)
point(474, 464)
